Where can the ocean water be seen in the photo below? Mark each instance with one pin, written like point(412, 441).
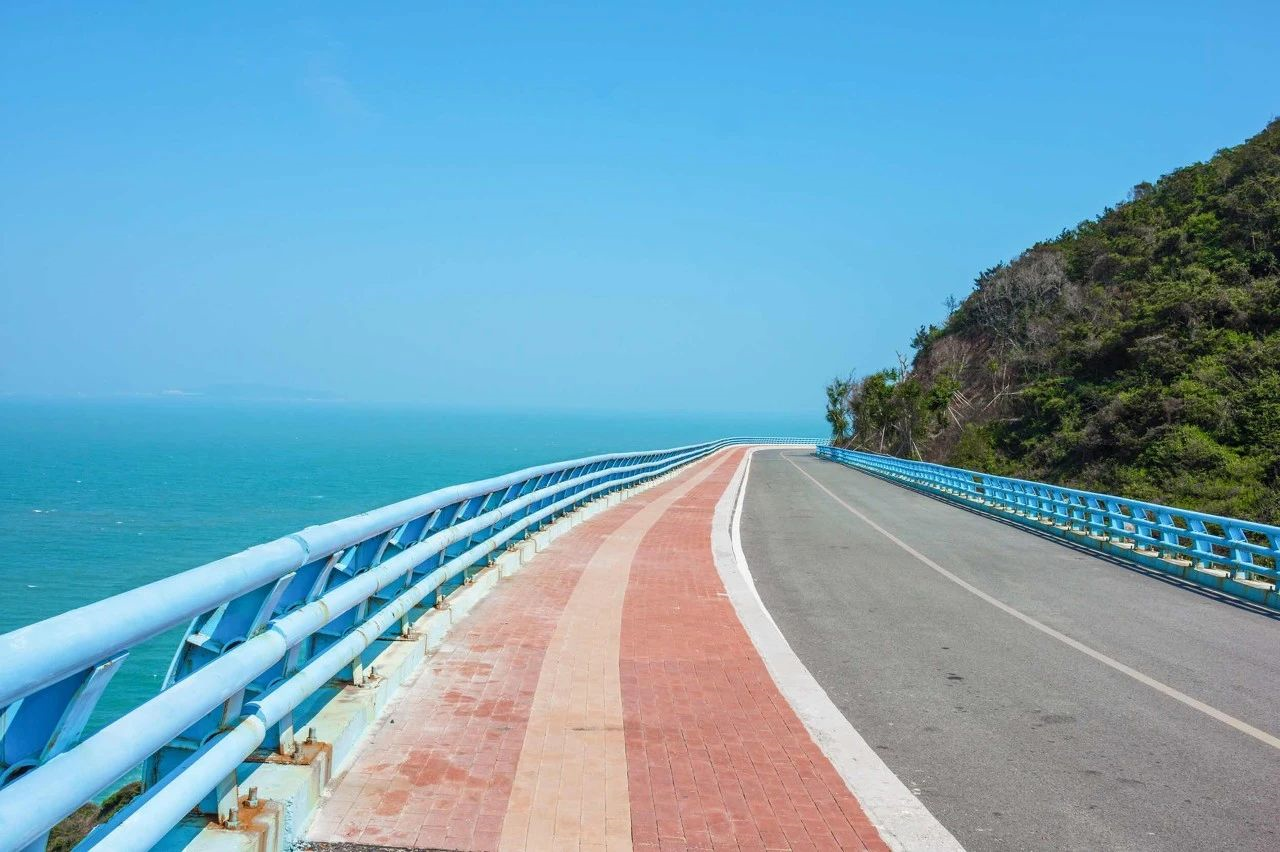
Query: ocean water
point(97, 497)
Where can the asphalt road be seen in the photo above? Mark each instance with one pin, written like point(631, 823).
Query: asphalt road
point(1014, 737)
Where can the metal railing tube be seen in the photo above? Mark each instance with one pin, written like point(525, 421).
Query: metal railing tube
point(302, 622)
point(35, 801)
point(163, 807)
point(70, 642)
point(335, 535)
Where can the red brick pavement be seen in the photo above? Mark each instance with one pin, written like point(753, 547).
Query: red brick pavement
point(717, 759)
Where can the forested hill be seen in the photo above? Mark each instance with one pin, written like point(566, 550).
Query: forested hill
point(1137, 353)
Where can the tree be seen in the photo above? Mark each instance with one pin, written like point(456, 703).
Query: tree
point(838, 412)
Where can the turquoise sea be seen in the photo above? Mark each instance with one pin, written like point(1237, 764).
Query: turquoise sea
point(97, 497)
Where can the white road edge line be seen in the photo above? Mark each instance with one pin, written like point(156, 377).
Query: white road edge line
point(1213, 712)
point(903, 821)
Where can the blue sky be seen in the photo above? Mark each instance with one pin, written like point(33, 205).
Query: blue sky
point(662, 206)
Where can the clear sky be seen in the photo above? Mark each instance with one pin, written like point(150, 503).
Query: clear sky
point(603, 205)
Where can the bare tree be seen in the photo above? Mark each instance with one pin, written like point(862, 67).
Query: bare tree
point(1012, 301)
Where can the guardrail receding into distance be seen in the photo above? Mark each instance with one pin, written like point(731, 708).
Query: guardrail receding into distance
point(1238, 557)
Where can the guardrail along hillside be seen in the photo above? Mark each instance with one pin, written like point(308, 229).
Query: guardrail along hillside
point(270, 627)
point(1237, 557)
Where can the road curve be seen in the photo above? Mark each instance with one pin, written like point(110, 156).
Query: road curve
point(1036, 696)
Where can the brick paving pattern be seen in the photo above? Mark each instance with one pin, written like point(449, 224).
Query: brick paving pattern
point(717, 758)
point(604, 698)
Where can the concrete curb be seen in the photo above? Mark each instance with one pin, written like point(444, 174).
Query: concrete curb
point(903, 821)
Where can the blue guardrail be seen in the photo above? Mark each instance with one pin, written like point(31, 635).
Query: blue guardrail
point(1237, 557)
point(269, 627)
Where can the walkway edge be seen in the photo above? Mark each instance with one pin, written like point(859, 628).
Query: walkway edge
point(903, 821)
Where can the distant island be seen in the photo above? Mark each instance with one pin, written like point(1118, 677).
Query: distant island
point(256, 392)
point(1137, 353)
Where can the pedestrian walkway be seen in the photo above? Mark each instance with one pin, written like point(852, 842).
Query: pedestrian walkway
point(605, 698)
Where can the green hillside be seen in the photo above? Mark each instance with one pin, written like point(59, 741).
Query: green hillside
point(1137, 353)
